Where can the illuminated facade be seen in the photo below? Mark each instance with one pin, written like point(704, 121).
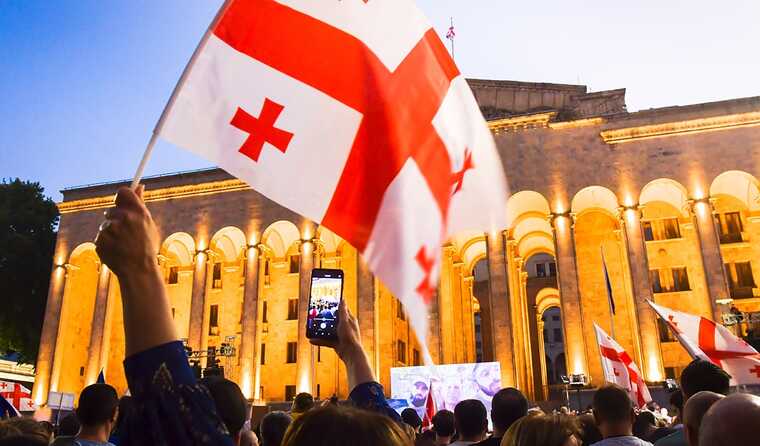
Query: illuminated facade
point(668, 196)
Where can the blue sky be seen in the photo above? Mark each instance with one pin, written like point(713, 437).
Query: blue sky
point(83, 82)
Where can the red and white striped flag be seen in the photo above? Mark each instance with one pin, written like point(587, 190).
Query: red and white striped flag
point(704, 339)
point(620, 369)
point(17, 395)
point(376, 136)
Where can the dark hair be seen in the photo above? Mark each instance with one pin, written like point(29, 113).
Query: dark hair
point(702, 375)
point(411, 417)
point(508, 406)
point(22, 440)
point(676, 400)
point(229, 400)
point(588, 430)
point(544, 430)
point(97, 404)
point(470, 417)
point(612, 403)
point(126, 406)
point(345, 426)
point(273, 427)
point(25, 428)
point(644, 422)
point(303, 402)
point(69, 425)
point(443, 423)
point(426, 438)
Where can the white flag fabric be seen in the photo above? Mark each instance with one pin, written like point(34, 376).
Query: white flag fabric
point(373, 134)
point(707, 340)
point(620, 369)
point(17, 395)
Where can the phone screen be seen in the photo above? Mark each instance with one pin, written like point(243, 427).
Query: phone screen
point(326, 292)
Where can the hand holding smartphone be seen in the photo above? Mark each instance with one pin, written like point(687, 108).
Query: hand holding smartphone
point(324, 300)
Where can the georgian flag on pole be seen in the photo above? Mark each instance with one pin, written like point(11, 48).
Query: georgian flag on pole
point(704, 339)
point(18, 396)
point(374, 135)
point(620, 369)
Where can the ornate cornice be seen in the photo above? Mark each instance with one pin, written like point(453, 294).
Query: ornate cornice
point(536, 120)
point(679, 128)
point(167, 193)
point(586, 122)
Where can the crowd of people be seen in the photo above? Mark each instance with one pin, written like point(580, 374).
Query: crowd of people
point(169, 406)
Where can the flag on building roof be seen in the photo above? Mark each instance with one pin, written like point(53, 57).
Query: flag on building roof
point(707, 340)
point(620, 369)
point(18, 396)
point(376, 136)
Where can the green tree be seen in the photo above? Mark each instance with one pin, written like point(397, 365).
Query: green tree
point(28, 222)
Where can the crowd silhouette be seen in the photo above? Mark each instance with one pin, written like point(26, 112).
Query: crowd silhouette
point(169, 406)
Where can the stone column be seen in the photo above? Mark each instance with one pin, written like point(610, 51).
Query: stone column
point(248, 347)
point(365, 309)
point(570, 297)
point(651, 360)
point(712, 260)
point(304, 364)
point(446, 303)
point(94, 363)
point(501, 321)
point(198, 301)
point(544, 392)
point(49, 336)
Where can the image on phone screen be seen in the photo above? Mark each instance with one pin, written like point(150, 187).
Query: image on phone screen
point(326, 291)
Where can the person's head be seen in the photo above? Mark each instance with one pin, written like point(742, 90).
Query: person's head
point(544, 430)
point(443, 423)
point(98, 407)
point(676, 403)
point(613, 410)
point(411, 417)
point(69, 425)
point(488, 378)
point(693, 412)
point(272, 428)
point(229, 401)
point(420, 394)
point(303, 402)
point(507, 406)
point(345, 426)
point(22, 440)
point(732, 418)
point(644, 424)
point(25, 427)
point(702, 375)
point(426, 438)
point(587, 430)
point(471, 420)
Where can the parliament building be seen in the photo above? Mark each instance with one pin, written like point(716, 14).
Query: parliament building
point(668, 197)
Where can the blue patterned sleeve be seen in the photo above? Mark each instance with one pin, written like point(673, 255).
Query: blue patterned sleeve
point(171, 408)
point(371, 396)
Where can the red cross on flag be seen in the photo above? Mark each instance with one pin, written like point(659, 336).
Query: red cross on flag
point(620, 369)
point(704, 339)
point(19, 396)
point(374, 135)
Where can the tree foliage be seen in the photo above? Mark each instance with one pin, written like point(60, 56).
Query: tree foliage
point(28, 222)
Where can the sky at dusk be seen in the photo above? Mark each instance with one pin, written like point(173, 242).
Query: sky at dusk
point(83, 82)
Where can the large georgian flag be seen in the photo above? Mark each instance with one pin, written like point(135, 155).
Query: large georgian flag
point(352, 114)
point(704, 339)
point(17, 395)
point(620, 369)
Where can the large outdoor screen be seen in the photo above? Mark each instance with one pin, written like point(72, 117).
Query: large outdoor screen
point(451, 384)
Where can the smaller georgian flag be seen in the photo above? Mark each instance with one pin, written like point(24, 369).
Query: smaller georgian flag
point(620, 369)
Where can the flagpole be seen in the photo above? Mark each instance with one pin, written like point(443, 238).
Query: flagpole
point(608, 287)
point(452, 39)
point(180, 83)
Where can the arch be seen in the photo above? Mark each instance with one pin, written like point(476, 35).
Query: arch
point(545, 299)
point(81, 249)
point(280, 236)
point(474, 253)
point(524, 202)
point(230, 242)
point(738, 184)
point(537, 243)
point(331, 242)
point(180, 247)
point(594, 197)
point(665, 190)
point(531, 225)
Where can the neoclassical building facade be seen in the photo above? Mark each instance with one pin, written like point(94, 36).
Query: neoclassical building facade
point(667, 197)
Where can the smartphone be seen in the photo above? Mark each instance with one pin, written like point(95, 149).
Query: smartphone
point(326, 293)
